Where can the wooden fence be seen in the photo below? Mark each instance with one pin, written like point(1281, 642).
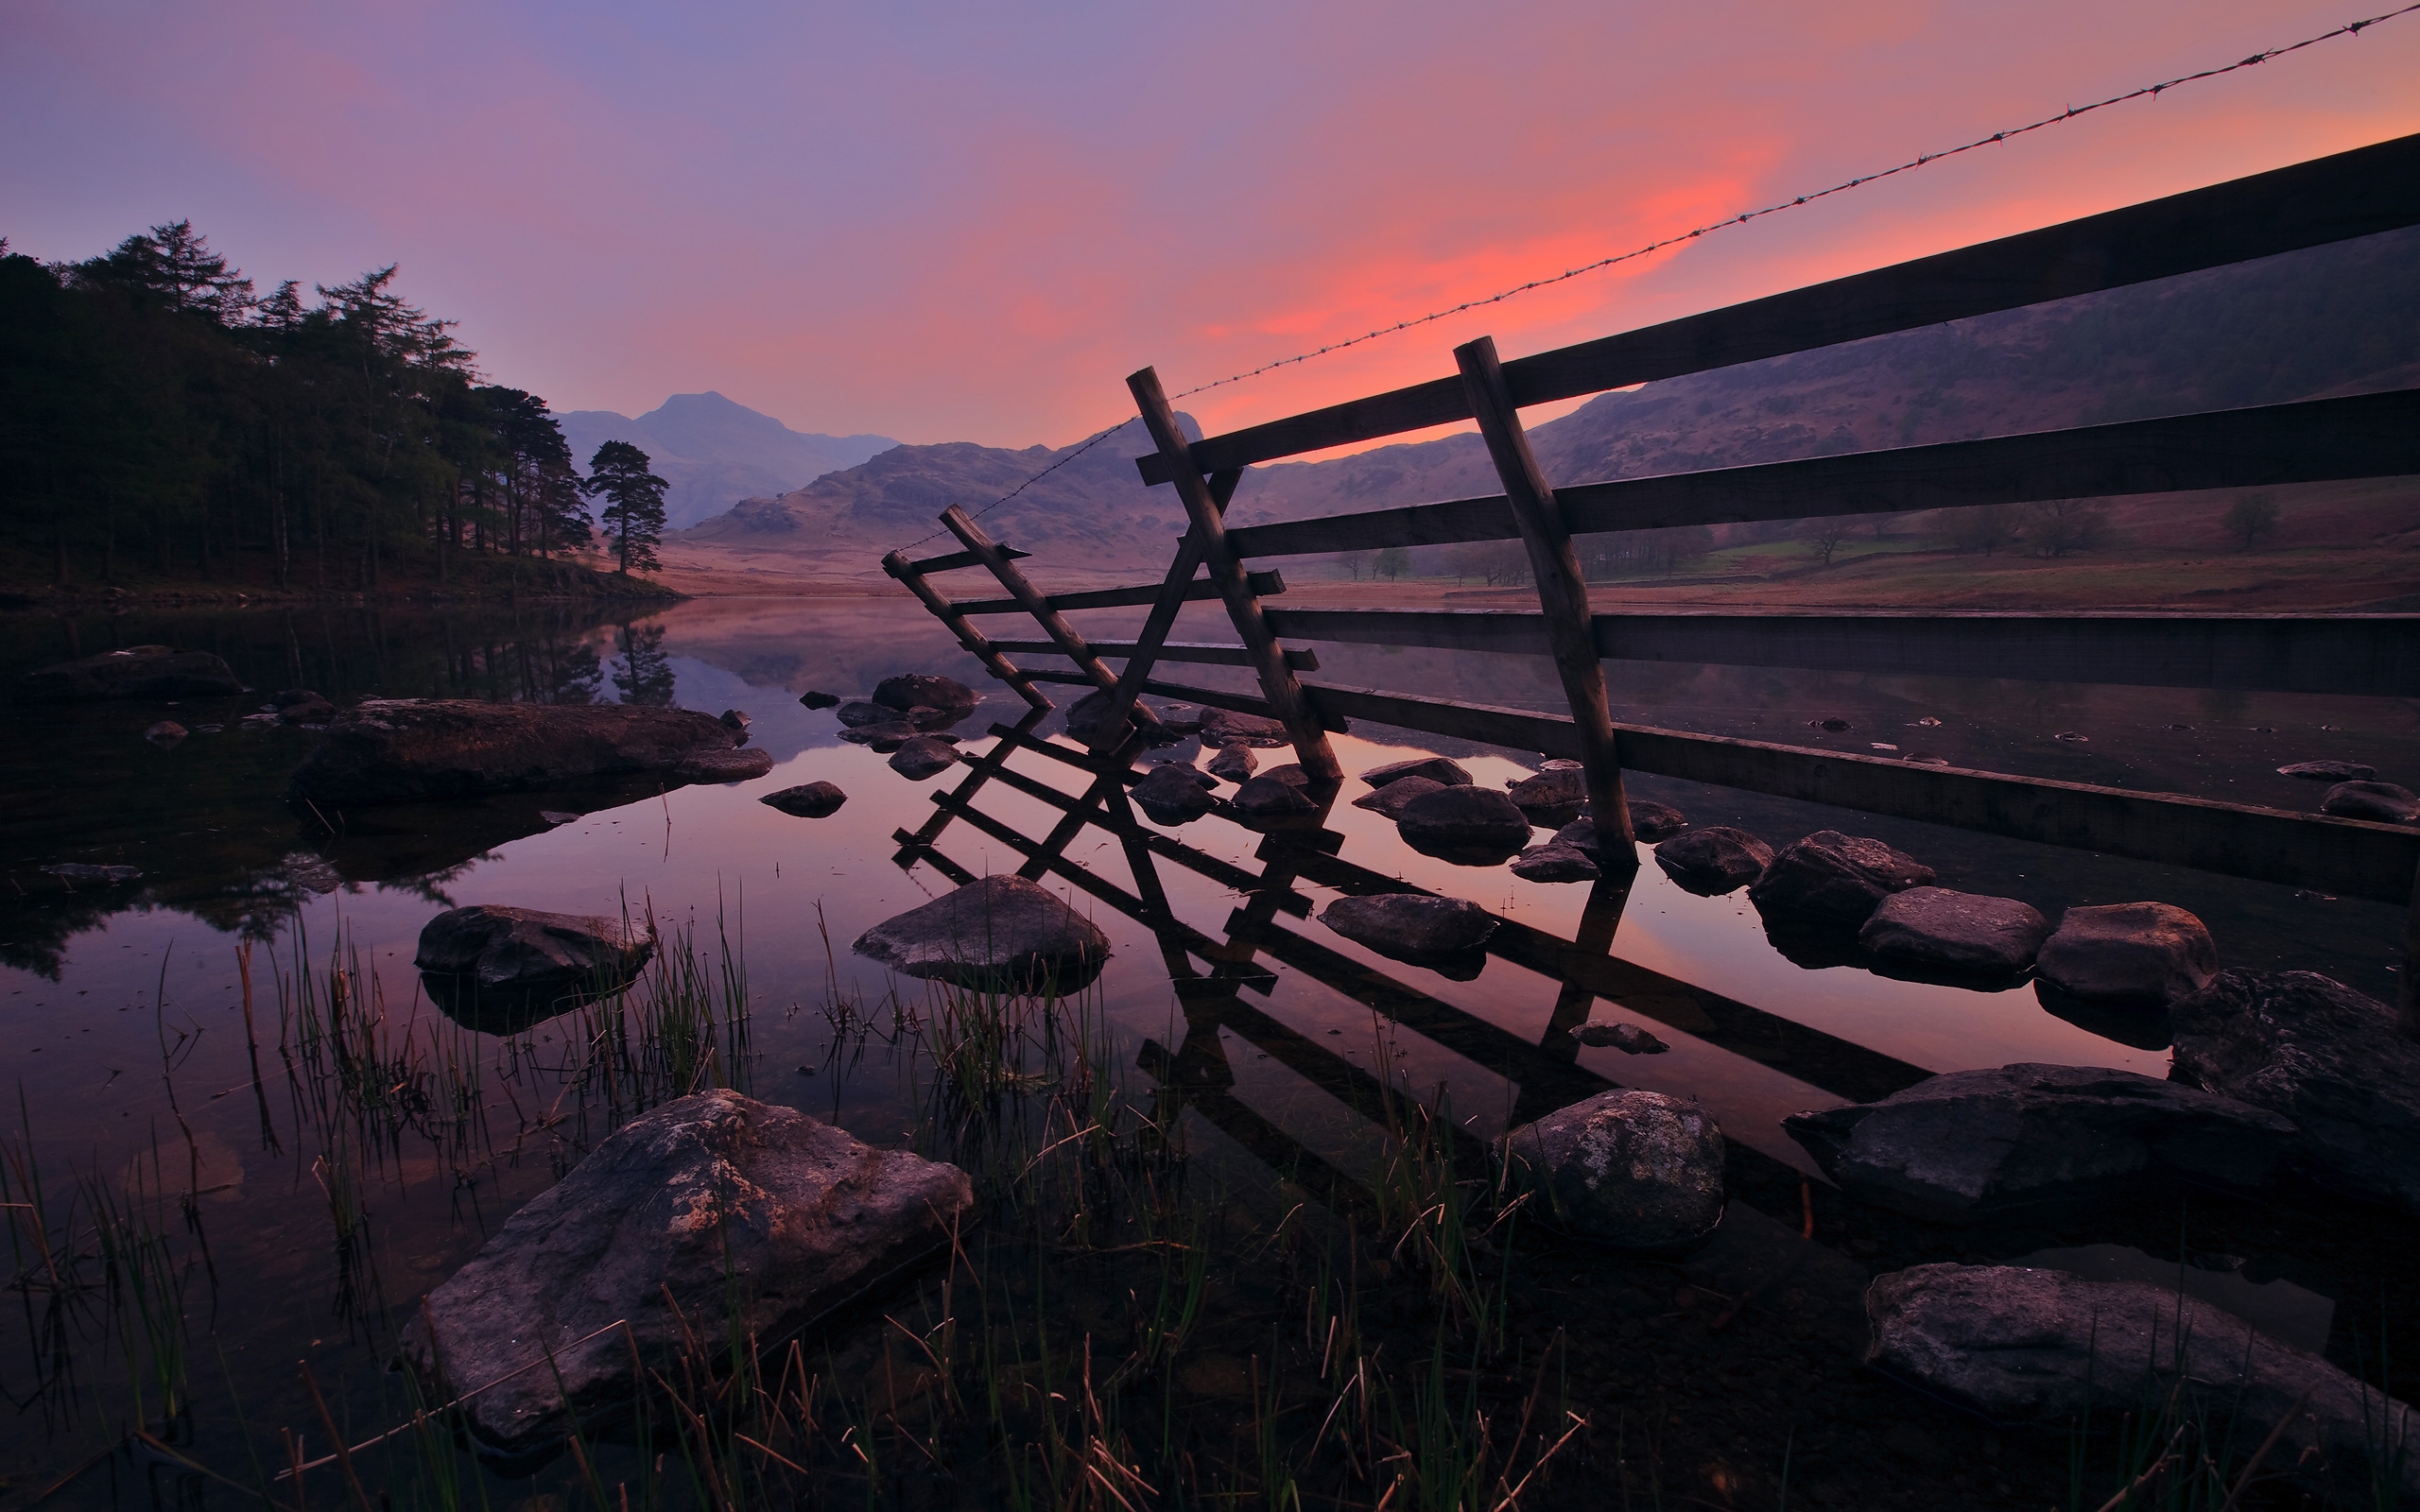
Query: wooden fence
point(2352, 194)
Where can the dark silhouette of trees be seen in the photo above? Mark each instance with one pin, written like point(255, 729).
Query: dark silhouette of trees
point(2250, 518)
point(155, 408)
point(634, 513)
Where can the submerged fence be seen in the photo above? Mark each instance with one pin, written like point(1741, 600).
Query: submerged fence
point(2352, 194)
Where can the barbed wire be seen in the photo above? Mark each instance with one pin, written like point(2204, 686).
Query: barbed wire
point(1921, 160)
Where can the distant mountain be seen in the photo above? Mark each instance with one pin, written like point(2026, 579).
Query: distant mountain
point(715, 452)
point(2333, 319)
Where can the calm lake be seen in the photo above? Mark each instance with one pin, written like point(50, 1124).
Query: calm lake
point(170, 1040)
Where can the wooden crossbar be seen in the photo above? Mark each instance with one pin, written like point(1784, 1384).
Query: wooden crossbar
point(2317, 440)
point(2359, 655)
point(957, 559)
point(1300, 658)
point(1265, 584)
point(2351, 194)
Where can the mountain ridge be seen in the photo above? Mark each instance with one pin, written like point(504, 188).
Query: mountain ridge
point(715, 450)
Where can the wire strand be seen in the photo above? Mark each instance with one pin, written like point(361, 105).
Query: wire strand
point(1921, 160)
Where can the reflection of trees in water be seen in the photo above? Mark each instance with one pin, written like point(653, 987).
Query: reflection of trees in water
point(643, 674)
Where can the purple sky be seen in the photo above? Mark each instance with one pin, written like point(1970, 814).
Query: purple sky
point(956, 221)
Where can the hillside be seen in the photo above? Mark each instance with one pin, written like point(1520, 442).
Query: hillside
point(2335, 319)
point(715, 450)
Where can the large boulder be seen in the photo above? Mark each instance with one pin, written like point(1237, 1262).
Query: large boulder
point(136, 672)
point(1628, 1170)
point(2312, 1049)
point(1443, 771)
point(915, 691)
point(1173, 794)
point(1397, 795)
point(1411, 926)
point(997, 933)
point(2380, 802)
point(1834, 879)
point(1955, 932)
point(710, 1218)
point(502, 969)
point(1224, 727)
point(401, 751)
point(1469, 826)
point(2044, 1348)
point(1971, 1144)
point(809, 800)
point(922, 756)
point(2128, 955)
point(1713, 860)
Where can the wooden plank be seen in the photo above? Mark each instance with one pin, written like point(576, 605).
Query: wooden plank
point(2333, 199)
point(1264, 583)
point(898, 566)
point(2359, 655)
point(2263, 446)
point(1207, 653)
point(2343, 856)
point(1242, 703)
point(1563, 592)
point(1209, 535)
point(1069, 642)
point(1145, 651)
point(964, 558)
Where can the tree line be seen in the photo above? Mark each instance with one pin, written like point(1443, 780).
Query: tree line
point(157, 409)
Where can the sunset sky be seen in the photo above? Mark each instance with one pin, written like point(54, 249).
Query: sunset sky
point(956, 221)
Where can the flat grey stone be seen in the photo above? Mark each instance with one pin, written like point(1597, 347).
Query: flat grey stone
point(2333, 1060)
point(724, 766)
point(998, 931)
point(2133, 954)
point(858, 712)
point(1392, 799)
point(1628, 1170)
point(2041, 1348)
point(715, 1203)
point(1410, 926)
point(1956, 931)
point(809, 800)
point(1469, 826)
point(2328, 771)
point(1234, 763)
point(1224, 727)
point(921, 756)
point(1971, 1144)
point(1555, 863)
point(1441, 770)
point(500, 970)
point(1268, 797)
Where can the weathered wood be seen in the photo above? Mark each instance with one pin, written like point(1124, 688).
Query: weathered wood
point(1242, 703)
point(1071, 643)
point(2344, 856)
point(957, 559)
point(1206, 653)
point(2351, 194)
point(1563, 592)
point(1266, 584)
point(2270, 445)
point(1209, 535)
point(898, 566)
point(1226, 874)
point(1146, 649)
point(2359, 655)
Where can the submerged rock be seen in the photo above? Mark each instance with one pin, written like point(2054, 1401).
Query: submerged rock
point(1224, 727)
point(401, 751)
point(1397, 795)
point(883, 735)
point(914, 691)
point(996, 933)
point(136, 672)
point(1555, 863)
point(1468, 826)
point(2128, 955)
point(2041, 1348)
point(921, 756)
point(2380, 802)
point(1268, 797)
point(1173, 794)
point(1713, 860)
point(723, 765)
point(1834, 879)
point(1971, 1144)
point(1627, 1038)
point(166, 732)
point(1234, 763)
point(1411, 926)
point(1441, 770)
point(1628, 1170)
point(1958, 931)
point(858, 712)
point(502, 969)
point(811, 800)
point(72, 872)
point(2328, 771)
point(752, 1220)
point(2312, 1049)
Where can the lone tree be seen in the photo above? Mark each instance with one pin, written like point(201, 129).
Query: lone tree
point(2250, 518)
point(634, 513)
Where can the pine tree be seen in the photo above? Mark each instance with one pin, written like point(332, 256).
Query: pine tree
point(634, 513)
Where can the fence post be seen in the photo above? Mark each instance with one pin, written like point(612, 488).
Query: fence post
point(898, 566)
point(1161, 621)
point(1562, 594)
point(1285, 696)
point(1053, 624)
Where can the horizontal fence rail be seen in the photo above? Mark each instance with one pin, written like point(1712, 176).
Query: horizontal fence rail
point(2359, 655)
point(1300, 658)
point(2311, 441)
point(1264, 583)
point(2351, 194)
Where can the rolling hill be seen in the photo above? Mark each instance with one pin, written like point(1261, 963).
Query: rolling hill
point(715, 452)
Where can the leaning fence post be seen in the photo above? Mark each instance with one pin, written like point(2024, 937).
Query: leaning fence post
point(898, 566)
point(1266, 657)
point(1071, 643)
point(1562, 594)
